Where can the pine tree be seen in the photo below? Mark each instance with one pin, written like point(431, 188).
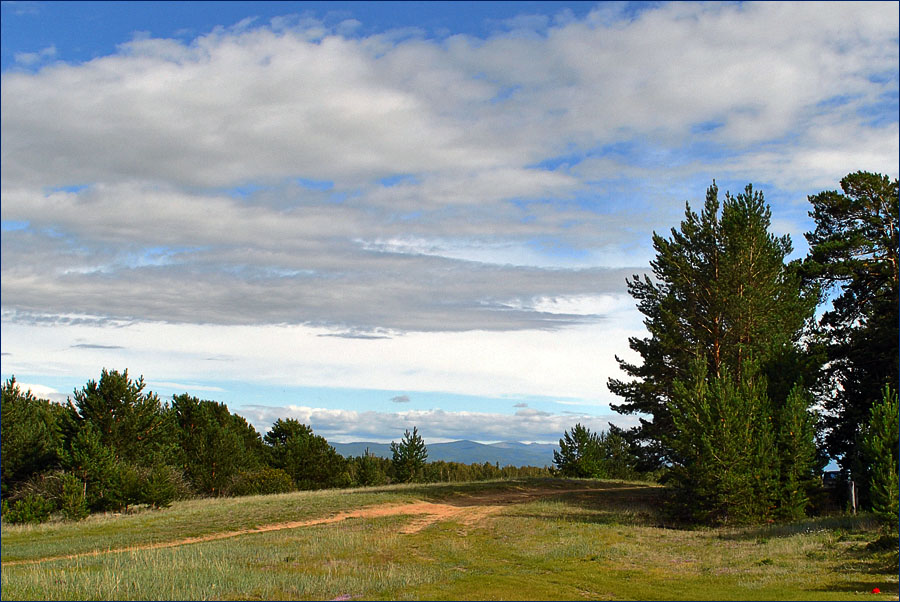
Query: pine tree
point(580, 454)
point(797, 466)
point(723, 295)
point(370, 472)
point(880, 448)
point(95, 464)
point(306, 457)
point(215, 445)
point(619, 460)
point(854, 254)
point(680, 313)
point(725, 472)
point(408, 457)
point(132, 423)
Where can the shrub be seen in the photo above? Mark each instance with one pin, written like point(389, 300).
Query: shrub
point(159, 487)
point(30, 509)
point(880, 444)
point(72, 498)
point(263, 481)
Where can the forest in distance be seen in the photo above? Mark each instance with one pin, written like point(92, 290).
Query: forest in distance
point(755, 372)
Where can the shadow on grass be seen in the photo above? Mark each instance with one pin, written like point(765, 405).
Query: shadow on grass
point(582, 500)
point(840, 524)
point(583, 493)
point(620, 504)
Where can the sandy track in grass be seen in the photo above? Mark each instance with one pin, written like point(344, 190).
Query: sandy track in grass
point(467, 510)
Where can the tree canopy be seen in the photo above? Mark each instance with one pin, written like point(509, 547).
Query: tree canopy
point(114, 446)
point(721, 294)
point(853, 257)
point(585, 454)
point(724, 371)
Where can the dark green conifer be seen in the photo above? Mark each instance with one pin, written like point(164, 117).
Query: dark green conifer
point(408, 457)
point(724, 312)
point(854, 257)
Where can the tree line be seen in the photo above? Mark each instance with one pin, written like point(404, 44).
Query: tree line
point(115, 445)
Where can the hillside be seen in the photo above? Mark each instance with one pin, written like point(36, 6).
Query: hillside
point(507, 453)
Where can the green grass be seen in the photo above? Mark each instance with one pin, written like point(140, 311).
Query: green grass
point(192, 518)
point(606, 541)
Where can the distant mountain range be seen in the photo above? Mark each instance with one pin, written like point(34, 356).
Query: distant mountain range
point(511, 453)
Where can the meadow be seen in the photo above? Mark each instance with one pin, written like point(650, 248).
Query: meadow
point(540, 539)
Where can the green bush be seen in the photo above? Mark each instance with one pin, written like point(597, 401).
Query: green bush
point(260, 482)
point(159, 487)
point(880, 444)
point(72, 498)
point(30, 509)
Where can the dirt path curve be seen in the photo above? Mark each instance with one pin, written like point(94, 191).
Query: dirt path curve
point(468, 510)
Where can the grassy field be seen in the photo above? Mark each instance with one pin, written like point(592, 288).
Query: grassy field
point(534, 539)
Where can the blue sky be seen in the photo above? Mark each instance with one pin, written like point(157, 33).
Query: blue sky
point(371, 216)
point(81, 31)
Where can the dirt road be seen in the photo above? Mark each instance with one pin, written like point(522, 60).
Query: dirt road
point(467, 510)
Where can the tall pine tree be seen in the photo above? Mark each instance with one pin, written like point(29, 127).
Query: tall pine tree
point(132, 423)
point(854, 257)
point(725, 314)
point(721, 293)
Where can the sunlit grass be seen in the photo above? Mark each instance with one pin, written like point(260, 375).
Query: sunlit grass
point(604, 544)
point(192, 518)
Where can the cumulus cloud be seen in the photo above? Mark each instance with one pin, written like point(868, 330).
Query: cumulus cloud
point(453, 172)
point(293, 201)
point(433, 425)
point(400, 399)
point(43, 392)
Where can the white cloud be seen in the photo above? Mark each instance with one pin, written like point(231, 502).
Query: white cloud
point(43, 392)
point(191, 388)
point(403, 213)
point(433, 425)
point(571, 363)
point(30, 59)
point(239, 105)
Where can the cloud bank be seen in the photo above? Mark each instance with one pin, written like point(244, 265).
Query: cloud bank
point(298, 203)
point(291, 173)
point(435, 426)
